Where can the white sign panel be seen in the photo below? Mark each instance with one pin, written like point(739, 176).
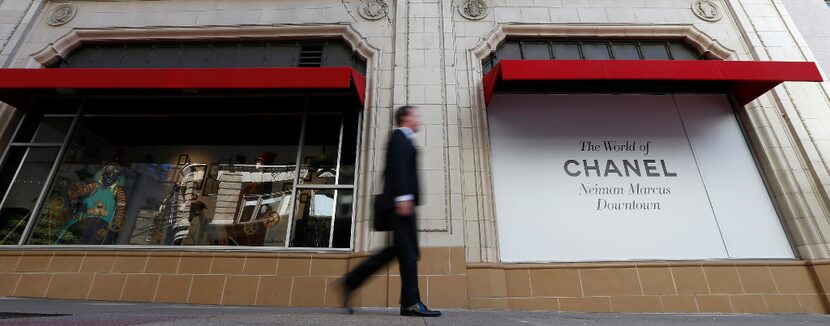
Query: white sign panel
point(626, 177)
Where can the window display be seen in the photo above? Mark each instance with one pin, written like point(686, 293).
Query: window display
point(166, 173)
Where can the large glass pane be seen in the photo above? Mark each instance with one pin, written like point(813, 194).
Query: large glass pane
point(681, 51)
point(108, 56)
point(251, 56)
point(625, 51)
point(313, 212)
point(52, 130)
point(166, 56)
point(536, 51)
point(194, 57)
point(348, 149)
point(566, 51)
point(654, 51)
point(222, 56)
point(343, 218)
point(596, 51)
point(26, 184)
point(337, 55)
point(176, 179)
point(281, 55)
point(137, 56)
point(510, 50)
point(321, 148)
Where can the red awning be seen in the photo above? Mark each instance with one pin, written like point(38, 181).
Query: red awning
point(17, 84)
point(747, 80)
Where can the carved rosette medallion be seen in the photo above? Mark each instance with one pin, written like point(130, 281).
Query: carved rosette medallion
point(708, 10)
point(473, 9)
point(61, 14)
point(372, 9)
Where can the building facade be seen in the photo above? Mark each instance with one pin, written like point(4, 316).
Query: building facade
point(585, 155)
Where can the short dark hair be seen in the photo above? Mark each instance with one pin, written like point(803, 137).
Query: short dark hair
point(402, 112)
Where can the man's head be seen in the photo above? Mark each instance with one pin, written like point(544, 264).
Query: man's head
point(407, 116)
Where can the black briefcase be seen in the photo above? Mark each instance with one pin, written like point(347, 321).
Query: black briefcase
point(383, 212)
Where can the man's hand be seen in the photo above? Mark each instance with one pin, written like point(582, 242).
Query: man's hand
point(405, 208)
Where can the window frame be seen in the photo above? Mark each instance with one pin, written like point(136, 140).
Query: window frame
point(489, 62)
point(78, 115)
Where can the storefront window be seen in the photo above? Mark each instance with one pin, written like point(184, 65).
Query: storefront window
point(189, 171)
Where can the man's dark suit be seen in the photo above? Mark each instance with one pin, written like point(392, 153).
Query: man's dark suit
point(400, 179)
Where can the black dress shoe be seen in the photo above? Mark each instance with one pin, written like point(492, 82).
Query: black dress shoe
point(347, 295)
point(419, 310)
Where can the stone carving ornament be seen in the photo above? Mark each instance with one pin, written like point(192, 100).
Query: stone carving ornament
point(373, 9)
point(707, 10)
point(473, 9)
point(61, 14)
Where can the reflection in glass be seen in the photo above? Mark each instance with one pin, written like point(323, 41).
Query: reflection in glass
point(536, 51)
point(624, 51)
point(681, 51)
point(510, 51)
point(185, 172)
point(343, 218)
point(174, 180)
point(563, 51)
point(26, 184)
point(654, 51)
point(313, 214)
point(348, 149)
point(321, 149)
point(596, 51)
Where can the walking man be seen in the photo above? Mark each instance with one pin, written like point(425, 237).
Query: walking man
point(401, 185)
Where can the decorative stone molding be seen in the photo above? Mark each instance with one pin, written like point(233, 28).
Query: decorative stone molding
point(72, 40)
point(473, 9)
point(61, 14)
point(701, 42)
point(373, 9)
point(707, 10)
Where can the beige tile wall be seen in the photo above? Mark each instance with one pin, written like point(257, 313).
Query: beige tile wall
point(446, 281)
point(729, 287)
point(264, 279)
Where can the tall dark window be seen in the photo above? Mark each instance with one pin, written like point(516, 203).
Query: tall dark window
point(566, 49)
point(228, 54)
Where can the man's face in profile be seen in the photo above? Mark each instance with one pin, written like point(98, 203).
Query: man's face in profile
point(412, 120)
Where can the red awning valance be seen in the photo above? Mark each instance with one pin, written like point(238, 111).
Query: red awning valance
point(16, 84)
point(747, 80)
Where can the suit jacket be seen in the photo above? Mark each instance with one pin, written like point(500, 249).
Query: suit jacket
point(401, 174)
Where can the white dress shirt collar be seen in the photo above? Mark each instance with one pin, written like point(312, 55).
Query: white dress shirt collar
point(407, 132)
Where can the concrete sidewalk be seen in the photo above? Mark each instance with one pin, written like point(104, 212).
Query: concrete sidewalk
point(63, 312)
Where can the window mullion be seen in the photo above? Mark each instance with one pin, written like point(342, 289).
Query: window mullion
point(336, 181)
point(639, 47)
point(58, 158)
point(35, 144)
point(297, 170)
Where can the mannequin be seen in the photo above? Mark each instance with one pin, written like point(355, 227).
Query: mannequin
point(99, 210)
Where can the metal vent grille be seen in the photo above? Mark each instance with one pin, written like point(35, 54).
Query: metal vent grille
point(311, 55)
